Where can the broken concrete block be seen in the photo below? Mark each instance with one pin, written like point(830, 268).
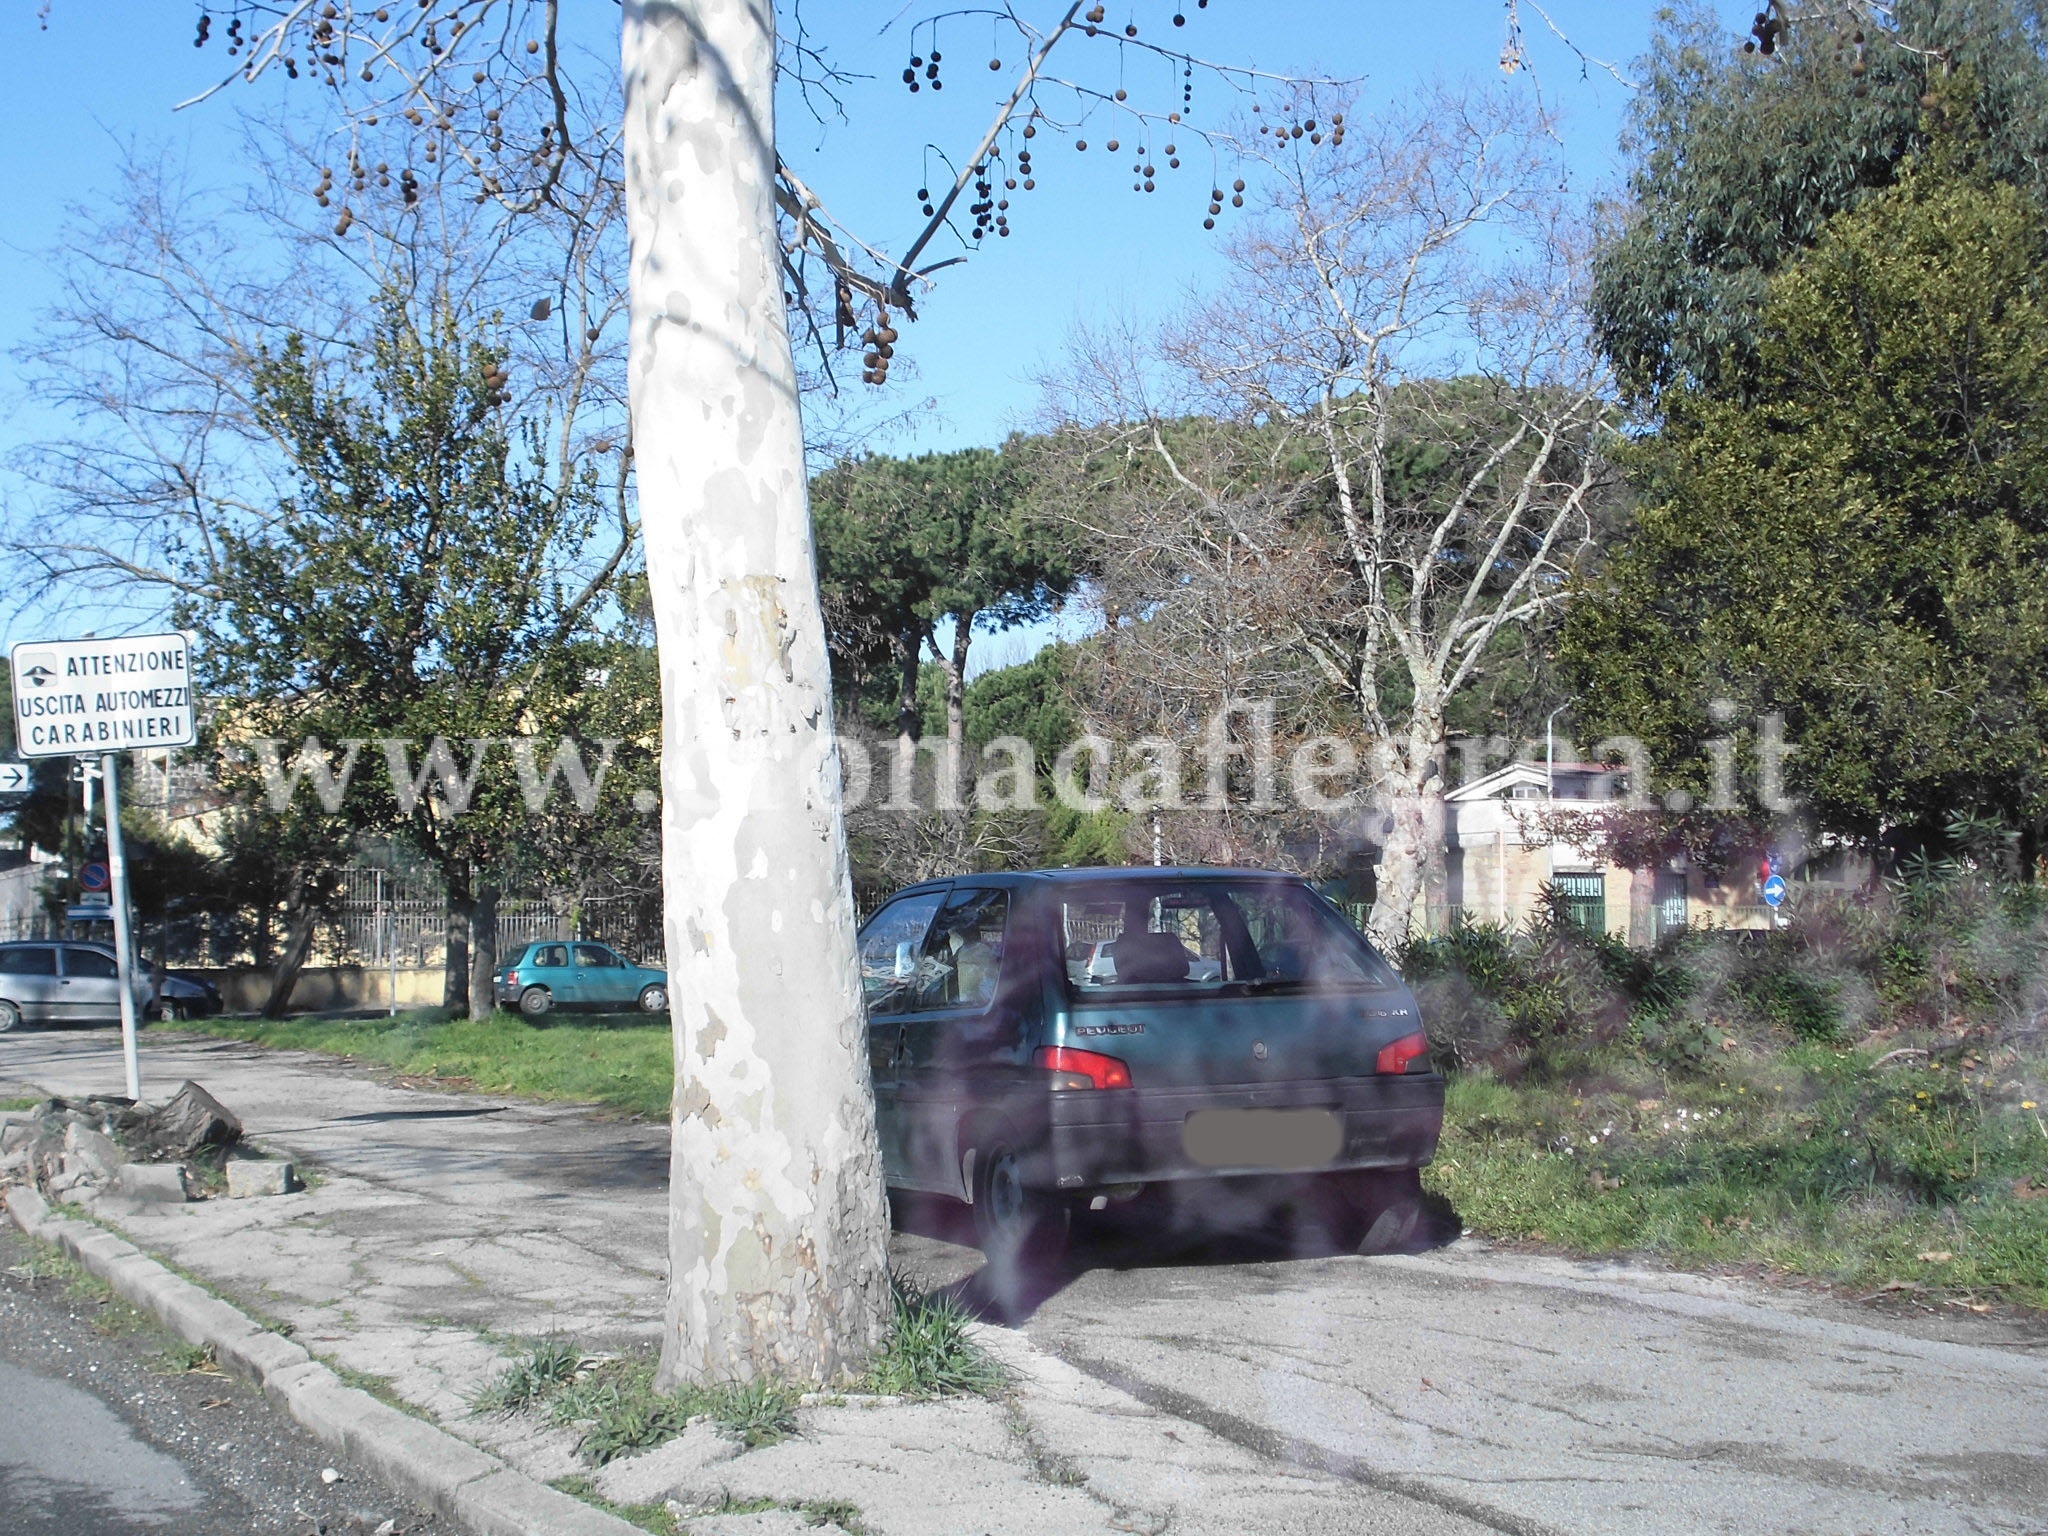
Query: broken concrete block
point(152, 1181)
point(259, 1176)
point(193, 1119)
point(92, 1152)
point(71, 1180)
point(676, 1467)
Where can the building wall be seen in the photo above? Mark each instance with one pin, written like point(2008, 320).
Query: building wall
point(327, 988)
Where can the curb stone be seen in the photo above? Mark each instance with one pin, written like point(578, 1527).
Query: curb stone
point(471, 1488)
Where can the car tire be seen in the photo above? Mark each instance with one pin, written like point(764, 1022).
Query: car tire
point(1023, 1232)
point(10, 1017)
point(1389, 1210)
point(536, 1002)
point(654, 999)
point(170, 1013)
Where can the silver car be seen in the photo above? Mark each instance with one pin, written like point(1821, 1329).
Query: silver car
point(62, 982)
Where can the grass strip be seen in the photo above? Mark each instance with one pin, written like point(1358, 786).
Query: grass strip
point(1919, 1178)
point(623, 1061)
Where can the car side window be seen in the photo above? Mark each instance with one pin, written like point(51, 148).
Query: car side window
point(28, 960)
point(596, 954)
point(889, 949)
point(551, 956)
point(963, 957)
point(1298, 942)
point(90, 962)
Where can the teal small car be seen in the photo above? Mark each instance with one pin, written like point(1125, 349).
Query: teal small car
point(560, 973)
point(1054, 1041)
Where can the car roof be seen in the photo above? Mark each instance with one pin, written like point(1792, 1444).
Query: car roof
point(1097, 874)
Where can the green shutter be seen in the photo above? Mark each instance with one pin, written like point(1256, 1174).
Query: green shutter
point(1585, 900)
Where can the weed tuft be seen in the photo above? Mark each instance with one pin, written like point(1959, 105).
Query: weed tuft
point(615, 1404)
point(929, 1353)
point(547, 1365)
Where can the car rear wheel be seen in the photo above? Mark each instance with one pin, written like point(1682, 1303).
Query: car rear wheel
point(170, 1012)
point(535, 1001)
point(653, 999)
point(10, 1017)
point(1022, 1231)
point(1389, 1209)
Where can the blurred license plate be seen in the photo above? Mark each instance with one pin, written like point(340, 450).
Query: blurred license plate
point(1263, 1138)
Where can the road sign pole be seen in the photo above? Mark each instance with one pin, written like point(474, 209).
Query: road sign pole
point(117, 865)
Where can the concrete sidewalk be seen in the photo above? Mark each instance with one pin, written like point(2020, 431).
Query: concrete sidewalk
point(442, 1228)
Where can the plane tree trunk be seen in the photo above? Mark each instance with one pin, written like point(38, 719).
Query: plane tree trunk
point(777, 1227)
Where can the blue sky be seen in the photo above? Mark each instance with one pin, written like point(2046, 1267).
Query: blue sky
point(103, 75)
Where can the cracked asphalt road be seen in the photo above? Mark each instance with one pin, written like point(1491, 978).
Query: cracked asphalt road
point(1524, 1393)
point(102, 1435)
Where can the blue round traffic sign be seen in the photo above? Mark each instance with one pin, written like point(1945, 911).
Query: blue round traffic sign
point(93, 877)
point(1774, 890)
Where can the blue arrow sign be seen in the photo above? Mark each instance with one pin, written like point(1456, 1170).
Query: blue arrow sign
point(1774, 890)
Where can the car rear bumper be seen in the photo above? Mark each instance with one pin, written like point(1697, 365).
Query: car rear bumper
point(1119, 1137)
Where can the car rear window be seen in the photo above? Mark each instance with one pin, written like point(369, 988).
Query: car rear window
point(1210, 936)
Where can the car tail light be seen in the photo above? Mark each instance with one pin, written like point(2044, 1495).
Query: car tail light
point(511, 978)
point(1410, 1053)
point(1082, 1069)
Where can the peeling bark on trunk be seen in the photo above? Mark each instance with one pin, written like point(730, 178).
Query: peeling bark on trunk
point(1413, 878)
point(777, 1227)
point(483, 952)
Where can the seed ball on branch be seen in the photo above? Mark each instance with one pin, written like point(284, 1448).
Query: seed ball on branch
point(1112, 146)
point(1080, 143)
point(1122, 94)
point(532, 45)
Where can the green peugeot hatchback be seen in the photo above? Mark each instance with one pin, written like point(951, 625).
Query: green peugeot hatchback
point(556, 973)
point(1066, 1039)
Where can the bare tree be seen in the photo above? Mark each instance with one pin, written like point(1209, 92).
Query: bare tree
point(1373, 453)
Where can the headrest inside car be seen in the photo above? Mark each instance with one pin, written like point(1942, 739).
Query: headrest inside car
point(1143, 957)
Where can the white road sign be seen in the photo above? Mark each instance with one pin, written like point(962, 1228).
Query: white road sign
point(14, 778)
point(73, 698)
